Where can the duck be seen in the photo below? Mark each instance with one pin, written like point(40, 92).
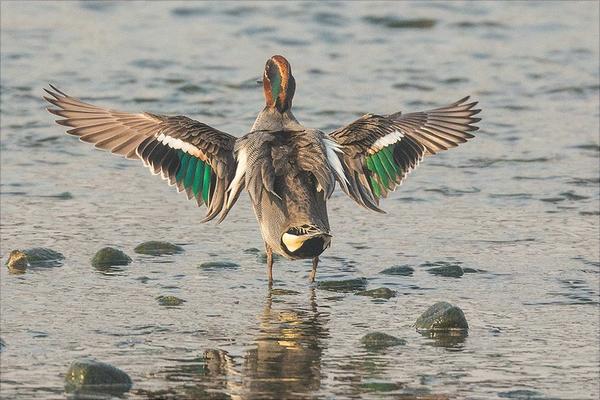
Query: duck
point(288, 170)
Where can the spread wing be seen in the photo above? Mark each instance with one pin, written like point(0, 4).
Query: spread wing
point(193, 156)
point(377, 152)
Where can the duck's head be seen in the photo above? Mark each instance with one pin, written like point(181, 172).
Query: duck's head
point(278, 83)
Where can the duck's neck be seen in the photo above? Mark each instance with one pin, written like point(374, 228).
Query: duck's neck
point(270, 119)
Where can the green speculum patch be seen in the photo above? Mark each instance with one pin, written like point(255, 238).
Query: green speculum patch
point(194, 174)
point(384, 170)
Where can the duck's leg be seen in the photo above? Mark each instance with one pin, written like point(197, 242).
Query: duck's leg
point(313, 273)
point(269, 252)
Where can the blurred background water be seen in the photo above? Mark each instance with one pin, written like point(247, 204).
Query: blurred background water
point(520, 203)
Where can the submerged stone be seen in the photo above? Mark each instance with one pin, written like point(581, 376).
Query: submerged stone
point(347, 285)
point(403, 270)
point(19, 260)
point(522, 394)
point(157, 248)
point(442, 316)
point(379, 293)
point(216, 265)
point(450, 271)
point(170, 301)
point(283, 292)
point(109, 256)
point(88, 375)
point(380, 386)
point(380, 340)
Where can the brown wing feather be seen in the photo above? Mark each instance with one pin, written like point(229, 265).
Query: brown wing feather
point(411, 137)
point(137, 136)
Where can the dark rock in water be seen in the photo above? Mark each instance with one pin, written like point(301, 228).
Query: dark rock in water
point(442, 316)
point(379, 293)
point(170, 301)
point(18, 261)
point(157, 248)
point(283, 292)
point(344, 286)
point(91, 376)
point(381, 386)
point(522, 394)
point(109, 256)
point(379, 340)
point(449, 270)
point(2, 345)
point(216, 265)
point(468, 270)
point(252, 250)
point(403, 270)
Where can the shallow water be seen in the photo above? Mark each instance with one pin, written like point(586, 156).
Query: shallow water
point(520, 202)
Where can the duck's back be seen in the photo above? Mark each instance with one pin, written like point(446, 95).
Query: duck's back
point(288, 179)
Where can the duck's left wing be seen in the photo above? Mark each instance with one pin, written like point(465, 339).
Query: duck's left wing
point(195, 157)
point(377, 152)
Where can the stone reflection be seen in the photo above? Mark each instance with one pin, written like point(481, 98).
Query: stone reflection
point(451, 340)
point(286, 362)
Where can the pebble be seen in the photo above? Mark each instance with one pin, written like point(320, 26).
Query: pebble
point(379, 293)
point(442, 316)
point(158, 248)
point(379, 340)
point(109, 256)
point(344, 286)
point(403, 270)
point(89, 375)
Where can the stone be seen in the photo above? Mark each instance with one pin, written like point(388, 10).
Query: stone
point(442, 316)
point(19, 261)
point(283, 292)
point(109, 256)
point(157, 248)
point(402, 270)
point(344, 286)
point(216, 265)
point(379, 293)
point(449, 270)
point(89, 375)
point(379, 340)
point(170, 301)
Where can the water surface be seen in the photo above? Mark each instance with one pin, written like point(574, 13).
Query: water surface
point(520, 203)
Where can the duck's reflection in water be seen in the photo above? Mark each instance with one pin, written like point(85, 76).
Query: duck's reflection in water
point(286, 361)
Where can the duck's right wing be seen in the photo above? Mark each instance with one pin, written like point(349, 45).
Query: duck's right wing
point(377, 152)
point(195, 157)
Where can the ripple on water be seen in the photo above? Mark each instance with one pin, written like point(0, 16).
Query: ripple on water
point(190, 11)
point(400, 23)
